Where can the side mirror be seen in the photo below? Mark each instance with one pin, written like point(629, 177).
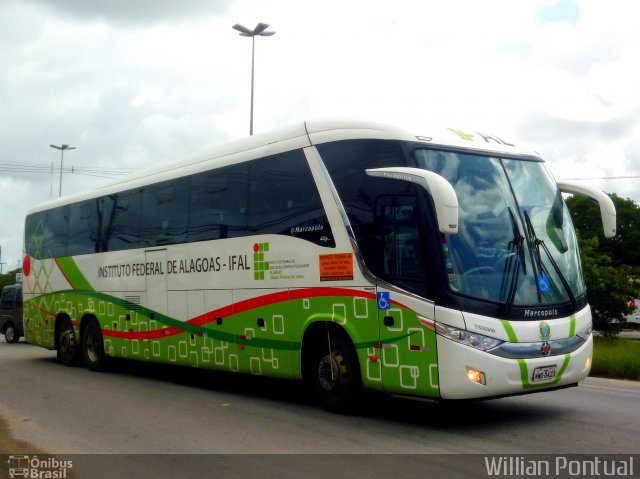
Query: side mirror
point(441, 191)
point(607, 208)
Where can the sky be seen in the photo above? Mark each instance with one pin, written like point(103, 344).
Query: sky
point(136, 83)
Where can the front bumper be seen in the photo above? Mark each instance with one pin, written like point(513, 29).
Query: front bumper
point(505, 376)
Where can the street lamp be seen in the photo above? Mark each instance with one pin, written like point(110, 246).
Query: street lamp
point(62, 148)
point(260, 30)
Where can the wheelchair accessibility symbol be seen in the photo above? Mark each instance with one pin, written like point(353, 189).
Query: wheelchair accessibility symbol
point(384, 301)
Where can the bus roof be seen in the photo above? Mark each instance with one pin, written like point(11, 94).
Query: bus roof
point(325, 130)
point(300, 135)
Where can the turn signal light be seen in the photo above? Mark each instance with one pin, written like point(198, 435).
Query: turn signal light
point(476, 376)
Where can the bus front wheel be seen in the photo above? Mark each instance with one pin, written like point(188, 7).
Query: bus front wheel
point(93, 346)
point(11, 333)
point(66, 347)
point(335, 373)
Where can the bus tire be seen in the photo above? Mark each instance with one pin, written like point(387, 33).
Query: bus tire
point(93, 346)
point(335, 372)
point(66, 347)
point(11, 333)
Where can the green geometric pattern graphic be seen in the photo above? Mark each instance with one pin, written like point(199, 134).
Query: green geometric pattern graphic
point(260, 336)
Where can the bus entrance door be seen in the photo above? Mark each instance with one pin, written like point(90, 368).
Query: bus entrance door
point(407, 348)
point(407, 331)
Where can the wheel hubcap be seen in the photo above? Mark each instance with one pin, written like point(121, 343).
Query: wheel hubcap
point(93, 351)
point(67, 342)
point(328, 373)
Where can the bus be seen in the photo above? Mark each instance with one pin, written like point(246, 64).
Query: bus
point(352, 254)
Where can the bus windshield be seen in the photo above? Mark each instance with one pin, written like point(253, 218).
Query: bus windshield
point(516, 243)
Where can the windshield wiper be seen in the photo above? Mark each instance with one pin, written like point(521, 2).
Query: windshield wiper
point(537, 243)
point(516, 243)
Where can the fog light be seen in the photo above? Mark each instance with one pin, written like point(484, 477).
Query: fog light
point(587, 363)
point(476, 376)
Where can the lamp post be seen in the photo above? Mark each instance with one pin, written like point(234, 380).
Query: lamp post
point(62, 148)
point(260, 30)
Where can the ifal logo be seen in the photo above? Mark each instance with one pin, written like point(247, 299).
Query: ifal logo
point(34, 467)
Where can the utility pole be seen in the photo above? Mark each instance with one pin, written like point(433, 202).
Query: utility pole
point(260, 30)
point(62, 148)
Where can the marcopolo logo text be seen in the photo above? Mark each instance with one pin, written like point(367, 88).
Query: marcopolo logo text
point(540, 313)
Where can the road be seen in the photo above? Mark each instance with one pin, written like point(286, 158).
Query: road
point(140, 408)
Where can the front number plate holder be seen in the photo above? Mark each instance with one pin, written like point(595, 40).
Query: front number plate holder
point(544, 373)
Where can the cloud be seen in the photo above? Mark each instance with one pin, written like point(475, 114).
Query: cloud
point(542, 127)
point(134, 12)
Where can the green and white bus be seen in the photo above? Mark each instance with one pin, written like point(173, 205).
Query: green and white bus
point(433, 263)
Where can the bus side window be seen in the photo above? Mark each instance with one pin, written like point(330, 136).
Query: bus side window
point(56, 230)
point(347, 162)
point(217, 206)
point(284, 199)
point(34, 234)
point(165, 212)
point(124, 231)
point(83, 228)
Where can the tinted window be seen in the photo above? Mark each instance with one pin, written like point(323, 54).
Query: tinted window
point(33, 234)
point(56, 228)
point(400, 258)
point(276, 195)
point(283, 199)
point(384, 214)
point(83, 228)
point(347, 162)
point(8, 296)
point(218, 203)
point(124, 211)
point(165, 212)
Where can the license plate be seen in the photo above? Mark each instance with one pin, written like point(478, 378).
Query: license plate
point(544, 373)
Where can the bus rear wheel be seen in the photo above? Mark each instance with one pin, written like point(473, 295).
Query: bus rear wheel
point(93, 346)
point(66, 347)
point(335, 373)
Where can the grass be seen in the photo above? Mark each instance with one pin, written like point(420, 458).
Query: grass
point(617, 358)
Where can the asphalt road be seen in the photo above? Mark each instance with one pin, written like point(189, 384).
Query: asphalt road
point(140, 408)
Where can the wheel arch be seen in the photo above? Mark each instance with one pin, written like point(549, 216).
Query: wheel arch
point(315, 331)
point(3, 324)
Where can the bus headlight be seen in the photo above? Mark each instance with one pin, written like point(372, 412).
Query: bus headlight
point(474, 340)
point(584, 333)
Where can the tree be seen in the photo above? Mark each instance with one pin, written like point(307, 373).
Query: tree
point(624, 249)
point(609, 288)
point(610, 264)
point(8, 278)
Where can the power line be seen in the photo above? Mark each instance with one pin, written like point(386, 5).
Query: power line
point(101, 171)
point(631, 177)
